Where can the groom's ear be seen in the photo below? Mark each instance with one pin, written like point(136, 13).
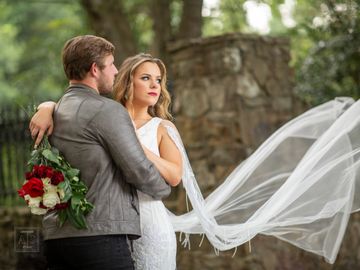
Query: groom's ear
point(94, 70)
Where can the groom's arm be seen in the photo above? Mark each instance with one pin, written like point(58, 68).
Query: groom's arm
point(118, 134)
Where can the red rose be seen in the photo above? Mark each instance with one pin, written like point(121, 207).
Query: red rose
point(22, 192)
point(57, 178)
point(49, 172)
point(34, 187)
point(29, 175)
point(42, 171)
point(35, 170)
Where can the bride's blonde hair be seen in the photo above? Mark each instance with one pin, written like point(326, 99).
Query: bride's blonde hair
point(124, 86)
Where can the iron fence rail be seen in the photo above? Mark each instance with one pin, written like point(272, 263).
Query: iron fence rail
point(15, 147)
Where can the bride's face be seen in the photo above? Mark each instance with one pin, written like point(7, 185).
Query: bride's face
point(147, 84)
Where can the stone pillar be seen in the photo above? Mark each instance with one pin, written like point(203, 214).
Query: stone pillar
point(230, 93)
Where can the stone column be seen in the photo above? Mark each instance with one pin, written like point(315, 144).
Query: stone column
point(230, 93)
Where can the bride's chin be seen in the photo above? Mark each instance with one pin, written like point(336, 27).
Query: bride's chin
point(150, 103)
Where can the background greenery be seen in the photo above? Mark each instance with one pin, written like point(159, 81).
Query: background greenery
point(32, 34)
point(325, 40)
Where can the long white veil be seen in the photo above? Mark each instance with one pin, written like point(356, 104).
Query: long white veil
point(301, 185)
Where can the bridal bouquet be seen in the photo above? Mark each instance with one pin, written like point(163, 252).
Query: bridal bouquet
point(53, 185)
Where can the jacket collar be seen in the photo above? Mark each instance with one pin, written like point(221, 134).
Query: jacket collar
point(81, 87)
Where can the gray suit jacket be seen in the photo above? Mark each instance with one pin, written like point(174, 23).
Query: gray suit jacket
point(96, 136)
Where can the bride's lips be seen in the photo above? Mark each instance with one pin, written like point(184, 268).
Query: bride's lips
point(153, 94)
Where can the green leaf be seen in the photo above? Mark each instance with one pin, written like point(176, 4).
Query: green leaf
point(34, 153)
point(81, 221)
point(50, 156)
point(55, 151)
point(76, 200)
point(34, 158)
point(87, 207)
point(71, 173)
point(78, 221)
point(67, 190)
point(62, 217)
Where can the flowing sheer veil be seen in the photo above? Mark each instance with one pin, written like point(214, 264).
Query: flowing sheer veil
point(301, 185)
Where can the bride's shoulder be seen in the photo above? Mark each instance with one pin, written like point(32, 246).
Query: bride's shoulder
point(167, 126)
point(167, 123)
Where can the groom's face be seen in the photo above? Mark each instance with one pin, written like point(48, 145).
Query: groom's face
point(107, 75)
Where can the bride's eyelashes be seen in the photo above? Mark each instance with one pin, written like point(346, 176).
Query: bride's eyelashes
point(146, 78)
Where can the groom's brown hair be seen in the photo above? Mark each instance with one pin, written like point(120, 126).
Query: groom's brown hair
point(80, 52)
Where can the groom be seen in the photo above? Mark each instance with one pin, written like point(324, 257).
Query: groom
point(96, 135)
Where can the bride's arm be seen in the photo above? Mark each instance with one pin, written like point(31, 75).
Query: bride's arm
point(169, 164)
point(42, 121)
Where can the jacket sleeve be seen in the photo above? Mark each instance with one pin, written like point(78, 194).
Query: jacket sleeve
point(117, 132)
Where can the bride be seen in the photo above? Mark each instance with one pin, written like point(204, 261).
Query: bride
point(301, 185)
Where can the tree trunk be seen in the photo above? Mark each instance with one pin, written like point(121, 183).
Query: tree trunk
point(191, 19)
point(160, 13)
point(108, 19)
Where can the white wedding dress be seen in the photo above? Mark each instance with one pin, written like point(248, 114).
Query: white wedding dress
point(156, 249)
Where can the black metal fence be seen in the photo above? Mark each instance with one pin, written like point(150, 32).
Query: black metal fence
point(15, 147)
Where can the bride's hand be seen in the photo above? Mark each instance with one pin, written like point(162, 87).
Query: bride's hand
point(42, 122)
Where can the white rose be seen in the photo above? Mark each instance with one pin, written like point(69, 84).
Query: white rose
point(38, 211)
point(51, 198)
point(33, 202)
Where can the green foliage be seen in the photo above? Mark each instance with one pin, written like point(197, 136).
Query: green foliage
point(137, 12)
point(140, 17)
point(325, 42)
point(32, 35)
point(324, 47)
point(230, 16)
point(332, 66)
point(9, 56)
